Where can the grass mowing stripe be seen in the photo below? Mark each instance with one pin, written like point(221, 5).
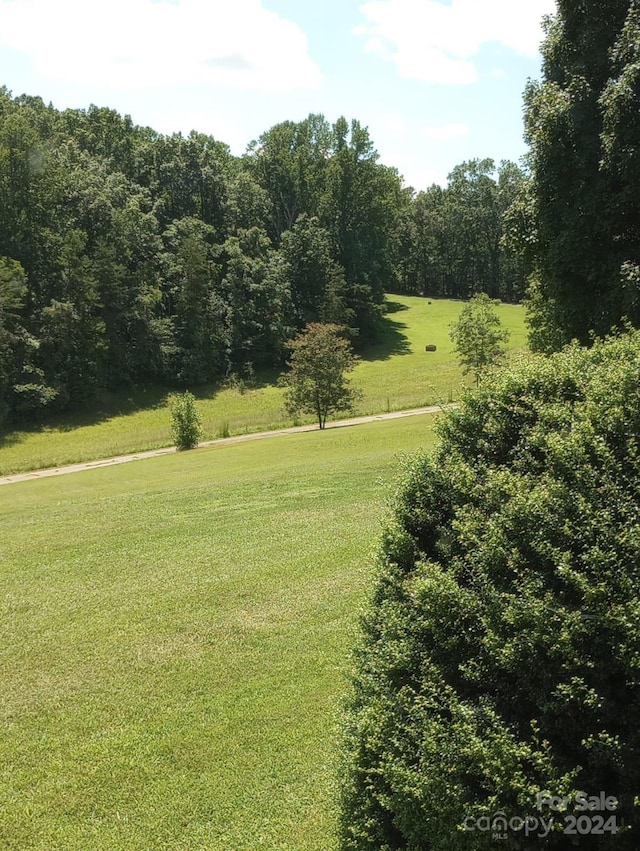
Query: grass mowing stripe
point(173, 642)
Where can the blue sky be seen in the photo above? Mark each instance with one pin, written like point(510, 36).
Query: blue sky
point(436, 82)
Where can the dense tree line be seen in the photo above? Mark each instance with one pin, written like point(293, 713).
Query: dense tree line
point(127, 256)
point(456, 240)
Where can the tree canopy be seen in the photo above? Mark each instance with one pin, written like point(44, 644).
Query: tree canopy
point(455, 239)
point(316, 382)
point(128, 256)
point(478, 336)
point(582, 126)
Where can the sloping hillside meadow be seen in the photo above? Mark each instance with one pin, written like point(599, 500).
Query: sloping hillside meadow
point(174, 641)
point(395, 374)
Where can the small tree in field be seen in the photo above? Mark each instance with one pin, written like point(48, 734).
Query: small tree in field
point(316, 382)
point(186, 426)
point(478, 336)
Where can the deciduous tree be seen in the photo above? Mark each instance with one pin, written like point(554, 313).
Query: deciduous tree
point(478, 336)
point(316, 382)
point(186, 424)
point(581, 211)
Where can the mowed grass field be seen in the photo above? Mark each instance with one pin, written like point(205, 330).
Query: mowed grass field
point(174, 639)
point(394, 375)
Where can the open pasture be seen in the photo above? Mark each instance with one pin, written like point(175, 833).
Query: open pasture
point(395, 374)
point(174, 641)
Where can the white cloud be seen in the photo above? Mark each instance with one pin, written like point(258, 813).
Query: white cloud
point(134, 44)
point(436, 43)
point(211, 121)
point(446, 132)
point(416, 174)
point(395, 125)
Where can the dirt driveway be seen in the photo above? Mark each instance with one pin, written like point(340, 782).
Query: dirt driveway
point(241, 438)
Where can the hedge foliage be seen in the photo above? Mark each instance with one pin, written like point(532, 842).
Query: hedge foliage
point(500, 655)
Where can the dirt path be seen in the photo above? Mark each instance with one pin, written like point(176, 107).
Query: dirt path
point(223, 441)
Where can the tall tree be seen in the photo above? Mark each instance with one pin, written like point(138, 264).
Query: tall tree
point(362, 209)
point(72, 330)
point(620, 102)
point(23, 388)
point(517, 231)
point(475, 226)
point(289, 162)
point(580, 247)
point(424, 251)
point(257, 300)
point(315, 279)
point(194, 303)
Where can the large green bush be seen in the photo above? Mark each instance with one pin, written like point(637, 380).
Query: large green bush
point(500, 656)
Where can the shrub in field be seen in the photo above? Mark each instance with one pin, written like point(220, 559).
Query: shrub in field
point(499, 666)
point(186, 426)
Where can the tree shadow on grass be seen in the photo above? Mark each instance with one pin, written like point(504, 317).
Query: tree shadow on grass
point(392, 340)
point(238, 382)
point(394, 306)
point(106, 406)
point(9, 438)
point(111, 404)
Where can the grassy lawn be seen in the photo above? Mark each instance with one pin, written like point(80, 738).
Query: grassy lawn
point(395, 374)
point(173, 642)
point(400, 374)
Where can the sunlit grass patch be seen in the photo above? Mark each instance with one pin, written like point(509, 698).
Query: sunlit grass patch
point(173, 640)
point(395, 374)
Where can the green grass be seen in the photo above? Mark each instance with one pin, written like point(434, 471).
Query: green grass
point(399, 373)
point(174, 638)
point(395, 374)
